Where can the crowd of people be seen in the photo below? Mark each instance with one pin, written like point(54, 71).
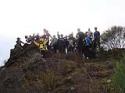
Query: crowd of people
point(84, 44)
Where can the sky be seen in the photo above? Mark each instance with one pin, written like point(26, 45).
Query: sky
point(23, 17)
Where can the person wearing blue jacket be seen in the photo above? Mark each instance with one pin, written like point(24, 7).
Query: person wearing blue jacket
point(88, 41)
point(88, 45)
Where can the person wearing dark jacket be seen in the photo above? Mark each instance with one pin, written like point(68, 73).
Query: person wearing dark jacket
point(19, 43)
point(96, 38)
point(61, 44)
point(80, 36)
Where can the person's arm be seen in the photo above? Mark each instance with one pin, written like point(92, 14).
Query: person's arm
point(37, 44)
point(76, 35)
point(58, 35)
point(49, 35)
point(99, 34)
point(45, 42)
point(22, 42)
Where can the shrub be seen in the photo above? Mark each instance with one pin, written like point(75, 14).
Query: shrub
point(49, 80)
point(118, 79)
point(114, 38)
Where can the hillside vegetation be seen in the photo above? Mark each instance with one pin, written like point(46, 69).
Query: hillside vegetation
point(28, 72)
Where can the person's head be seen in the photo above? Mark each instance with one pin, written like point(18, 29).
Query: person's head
point(78, 29)
point(37, 35)
point(71, 35)
point(30, 36)
point(66, 37)
point(54, 36)
point(33, 34)
point(26, 37)
point(57, 33)
point(45, 31)
point(61, 35)
point(95, 28)
point(86, 33)
point(18, 38)
point(89, 29)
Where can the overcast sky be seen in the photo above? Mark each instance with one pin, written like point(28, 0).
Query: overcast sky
point(22, 17)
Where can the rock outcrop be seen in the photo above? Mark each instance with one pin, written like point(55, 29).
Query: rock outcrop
point(27, 72)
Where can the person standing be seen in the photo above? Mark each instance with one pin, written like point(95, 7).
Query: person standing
point(53, 44)
point(88, 46)
point(96, 38)
point(89, 33)
point(71, 45)
point(80, 36)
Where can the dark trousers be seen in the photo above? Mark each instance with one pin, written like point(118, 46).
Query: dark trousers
point(87, 51)
point(54, 48)
point(80, 49)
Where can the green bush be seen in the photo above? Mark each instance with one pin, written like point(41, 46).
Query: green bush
point(118, 79)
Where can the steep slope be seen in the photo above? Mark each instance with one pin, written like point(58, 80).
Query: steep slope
point(27, 72)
